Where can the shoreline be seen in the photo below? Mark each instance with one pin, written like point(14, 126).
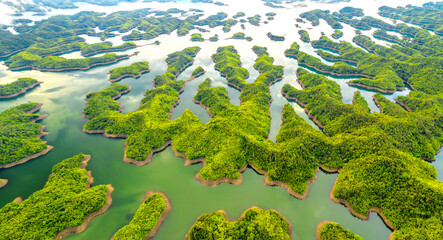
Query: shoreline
point(378, 104)
point(108, 50)
point(312, 117)
point(3, 182)
point(328, 72)
point(80, 228)
point(403, 105)
point(386, 221)
point(21, 91)
point(388, 91)
point(318, 229)
point(242, 216)
point(338, 59)
point(129, 75)
point(71, 69)
point(151, 234)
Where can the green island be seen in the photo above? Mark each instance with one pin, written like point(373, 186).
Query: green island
point(241, 36)
point(20, 135)
point(255, 223)
point(26, 60)
point(197, 37)
point(386, 151)
point(428, 16)
point(134, 70)
point(148, 218)
point(214, 38)
point(337, 34)
point(64, 206)
point(304, 36)
point(382, 69)
point(275, 37)
point(92, 49)
point(198, 72)
point(18, 87)
point(239, 15)
point(333, 231)
point(254, 20)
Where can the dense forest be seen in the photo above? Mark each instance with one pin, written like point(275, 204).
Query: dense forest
point(17, 87)
point(147, 219)
point(334, 231)
point(134, 70)
point(66, 200)
point(20, 135)
point(255, 223)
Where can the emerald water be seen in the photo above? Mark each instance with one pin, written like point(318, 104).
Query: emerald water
point(63, 97)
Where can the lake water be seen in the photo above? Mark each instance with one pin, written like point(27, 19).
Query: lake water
point(63, 97)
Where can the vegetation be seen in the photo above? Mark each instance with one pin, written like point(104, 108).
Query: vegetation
point(26, 60)
point(134, 70)
point(255, 223)
point(197, 37)
point(239, 35)
point(96, 48)
point(18, 135)
point(275, 37)
point(214, 38)
point(337, 34)
point(145, 219)
point(334, 231)
point(255, 20)
point(239, 14)
point(198, 71)
point(16, 87)
point(304, 36)
point(428, 16)
point(65, 201)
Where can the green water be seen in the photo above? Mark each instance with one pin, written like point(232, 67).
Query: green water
point(63, 97)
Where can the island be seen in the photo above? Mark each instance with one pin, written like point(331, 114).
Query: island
point(337, 34)
point(92, 49)
point(21, 135)
point(18, 87)
point(275, 37)
point(148, 218)
point(65, 205)
point(134, 70)
point(331, 231)
point(267, 224)
point(304, 36)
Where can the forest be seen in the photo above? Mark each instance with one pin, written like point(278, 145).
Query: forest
point(20, 135)
point(255, 223)
point(146, 220)
point(134, 70)
point(45, 213)
point(14, 88)
point(334, 231)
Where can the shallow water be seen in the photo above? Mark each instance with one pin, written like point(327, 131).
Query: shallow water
point(63, 97)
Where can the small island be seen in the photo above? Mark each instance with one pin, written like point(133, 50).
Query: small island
point(134, 70)
point(148, 218)
point(197, 37)
point(304, 36)
point(92, 49)
point(267, 224)
point(275, 37)
point(337, 34)
point(332, 231)
point(64, 206)
point(18, 87)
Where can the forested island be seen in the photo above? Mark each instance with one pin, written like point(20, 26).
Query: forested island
point(333, 231)
point(20, 135)
point(254, 223)
point(64, 206)
point(134, 70)
point(378, 134)
point(148, 218)
point(18, 87)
